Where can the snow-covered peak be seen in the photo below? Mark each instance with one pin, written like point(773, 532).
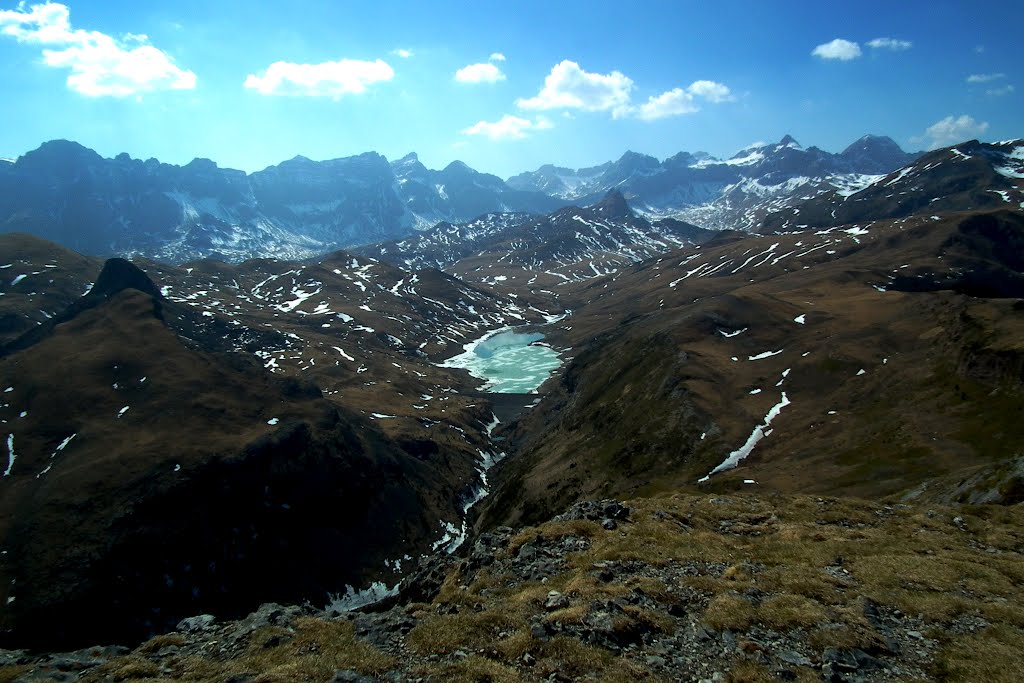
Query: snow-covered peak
point(1012, 163)
point(788, 142)
point(747, 157)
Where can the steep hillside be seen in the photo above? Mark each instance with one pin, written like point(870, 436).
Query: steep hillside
point(860, 360)
point(291, 408)
point(971, 175)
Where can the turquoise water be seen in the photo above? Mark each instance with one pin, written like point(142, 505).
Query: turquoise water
point(508, 361)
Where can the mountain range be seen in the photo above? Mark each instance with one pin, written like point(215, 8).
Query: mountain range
point(201, 437)
point(302, 208)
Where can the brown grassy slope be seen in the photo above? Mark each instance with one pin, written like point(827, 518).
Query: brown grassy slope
point(186, 469)
point(657, 395)
point(757, 588)
point(54, 278)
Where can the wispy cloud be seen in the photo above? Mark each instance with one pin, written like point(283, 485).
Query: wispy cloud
point(999, 92)
point(890, 44)
point(840, 49)
point(984, 78)
point(497, 57)
point(570, 87)
point(327, 79)
point(951, 130)
point(509, 127)
point(99, 64)
point(403, 53)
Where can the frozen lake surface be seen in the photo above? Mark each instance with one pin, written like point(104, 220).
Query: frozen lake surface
point(509, 362)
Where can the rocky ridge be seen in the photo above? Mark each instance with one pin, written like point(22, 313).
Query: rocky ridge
point(570, 245)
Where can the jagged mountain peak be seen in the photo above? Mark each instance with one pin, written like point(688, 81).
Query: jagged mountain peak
point(873, 142)
point(876, 154)
point(636, 159)
point(789, 141)
point(409, 167)
point(458, 166)
point(613, 205)
point(119, 274)
point(60, 151)
point(201, 164)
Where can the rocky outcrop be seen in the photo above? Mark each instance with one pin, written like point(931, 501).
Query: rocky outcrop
point(735, 588)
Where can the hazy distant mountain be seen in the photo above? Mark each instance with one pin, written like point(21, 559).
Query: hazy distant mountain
point(301, 208)
point(723, 194)
point(68, 193)
point(458, 193)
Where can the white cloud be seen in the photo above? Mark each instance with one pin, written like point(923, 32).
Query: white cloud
point(403, 53)
point(984, 78)
point(100, 65)
point(890, 44)
point(671, 103)
point(952, 130)
point(678, 101)
point(327, 79)
point(508, 128)
point(711, 91)
point(839, 48)
point(479, 73)
point(999, 92)
point(496, 57)
point(570, 87)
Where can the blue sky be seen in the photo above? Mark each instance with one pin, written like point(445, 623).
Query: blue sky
point(504, 87)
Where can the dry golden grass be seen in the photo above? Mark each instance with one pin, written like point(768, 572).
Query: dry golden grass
point(729, 611)
point(8, 674)
point(468, 630)
point(315, 650)
point(160, 642)
point(472, 669)
point(786, 611)
point(993, 656)
point(811, 563)
point(130, 667)
point(815, 559)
